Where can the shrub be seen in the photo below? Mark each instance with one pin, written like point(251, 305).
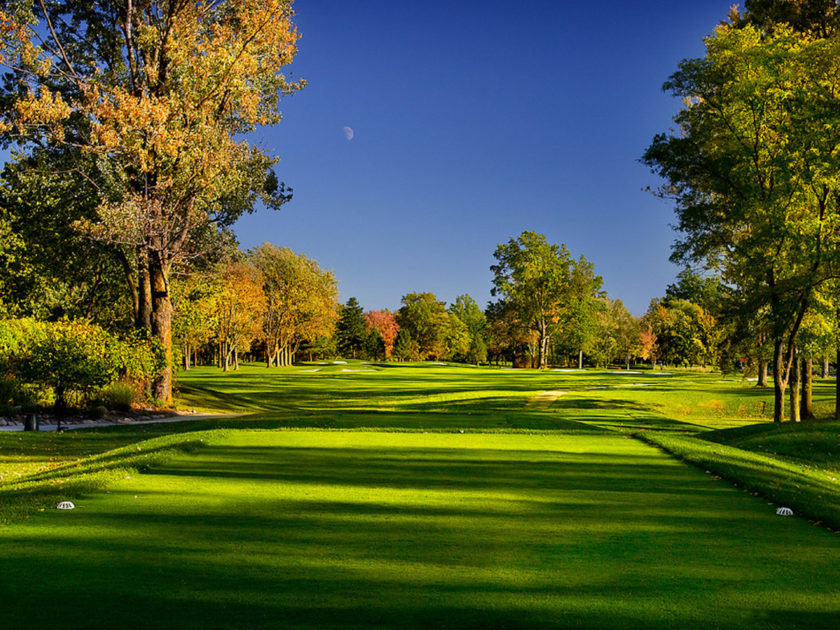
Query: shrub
point(69, 357)
point(72, 359)
point(119, 396)
point(98, 412)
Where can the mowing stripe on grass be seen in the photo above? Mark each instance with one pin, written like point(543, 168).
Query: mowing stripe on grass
point(314, 529)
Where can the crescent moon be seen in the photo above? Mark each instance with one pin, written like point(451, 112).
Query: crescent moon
point(348, 133)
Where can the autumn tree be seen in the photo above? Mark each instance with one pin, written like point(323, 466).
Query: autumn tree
point(540, 282)
point(157, 96)
point(384, 323)
point(239, 308)
point(300, 301)
point(194, 322)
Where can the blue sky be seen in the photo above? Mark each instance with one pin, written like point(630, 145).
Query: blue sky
point(474, 121)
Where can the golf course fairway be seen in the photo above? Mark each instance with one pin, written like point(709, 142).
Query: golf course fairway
point(359, 529)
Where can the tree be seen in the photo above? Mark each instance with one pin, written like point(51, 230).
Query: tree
point(384, 323)
point(819, 18)
point(239, 309)
point(49, 269)
point(301, 301)
point(405, 348)
point(351, 330)
point(156, 94)
point(540, 282)
point(691, 286)
point(685, 333)
point(617, 334)
point(425, 318)
point(467, 311)
point(753, 172)
point(509, 339)
point(194, 301)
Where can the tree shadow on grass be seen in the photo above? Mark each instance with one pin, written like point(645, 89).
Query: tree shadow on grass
point(268, 537)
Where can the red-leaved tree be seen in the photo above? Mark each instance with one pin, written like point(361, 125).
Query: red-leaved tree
point(386, 325)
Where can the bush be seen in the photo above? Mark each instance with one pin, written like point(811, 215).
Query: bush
point(98, 412)
point(69, 357)
point(119, 396)
point(72, 359)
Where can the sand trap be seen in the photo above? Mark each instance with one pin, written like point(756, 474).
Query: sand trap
point(436, 363)
point(568, 370)
point(309, 371)
point(339, 362)
point(661, 374)
point(622, 372)
point(358, 370)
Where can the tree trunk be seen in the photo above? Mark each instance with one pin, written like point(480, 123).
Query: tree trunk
point(145, 303)
point(825, 367)
point(795, 383)
point(542, 347)
point(807, 406)
point(779, 383)
point(837, 385)
point(235, 358)
point(762, 373)
point(162, 329)
point(186, 357)
point(580, 360)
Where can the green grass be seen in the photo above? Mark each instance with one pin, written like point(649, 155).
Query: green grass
point(312, 529)
point(428, 496)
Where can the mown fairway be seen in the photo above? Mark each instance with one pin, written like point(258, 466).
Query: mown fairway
point(544, 512)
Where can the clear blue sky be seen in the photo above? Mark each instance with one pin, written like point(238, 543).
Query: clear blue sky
point(474, 121)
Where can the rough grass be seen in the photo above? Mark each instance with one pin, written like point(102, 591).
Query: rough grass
point(24, 494)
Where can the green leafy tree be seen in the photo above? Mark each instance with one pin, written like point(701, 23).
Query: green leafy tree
point(467, 311)
point(49, 269)
point(351, 330)
point(540, 283)
point(753, 172)
point(405, 348)
point(426, 320)
point(818, 18)
point(374, 348)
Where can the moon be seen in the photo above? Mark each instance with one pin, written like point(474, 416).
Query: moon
point(348, 133)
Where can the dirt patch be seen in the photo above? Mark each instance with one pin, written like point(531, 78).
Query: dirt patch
point(544, 399)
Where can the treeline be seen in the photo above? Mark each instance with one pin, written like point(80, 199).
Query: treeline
point(752, 170)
